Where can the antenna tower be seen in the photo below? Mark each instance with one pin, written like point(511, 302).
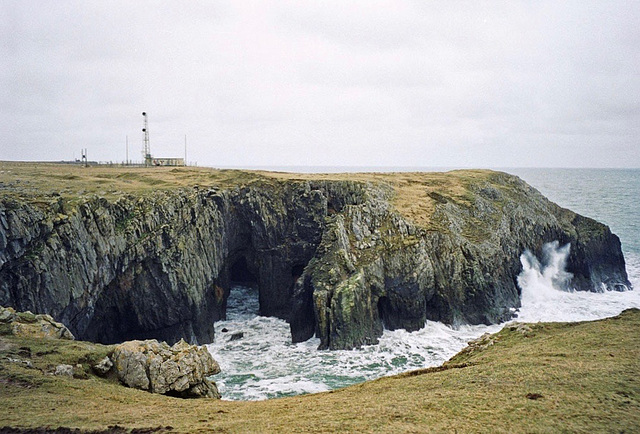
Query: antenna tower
point(146, 151)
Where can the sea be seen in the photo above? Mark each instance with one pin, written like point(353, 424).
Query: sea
point(264, 364)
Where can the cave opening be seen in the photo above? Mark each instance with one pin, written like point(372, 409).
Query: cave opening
point(243, 299)
point(384, 306)
point(240, 274)
point(296, 272)
point(269, 276)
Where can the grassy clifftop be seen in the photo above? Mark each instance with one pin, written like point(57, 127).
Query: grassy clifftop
point(576, 377)
point(415, 193)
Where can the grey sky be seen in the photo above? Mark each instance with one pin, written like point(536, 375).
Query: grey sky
point(382, 83)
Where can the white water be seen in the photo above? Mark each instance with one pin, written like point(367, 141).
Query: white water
point(546, 297)
point(264, 364)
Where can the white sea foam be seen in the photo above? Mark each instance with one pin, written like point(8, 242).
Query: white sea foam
point(546, 295)
point(265, 364)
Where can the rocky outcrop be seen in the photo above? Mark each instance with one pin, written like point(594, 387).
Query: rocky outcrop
point(180, 370)
point(335, 258)
point(28, 325)
point(375, 268)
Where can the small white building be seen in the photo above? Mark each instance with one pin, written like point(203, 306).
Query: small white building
point(168, 162)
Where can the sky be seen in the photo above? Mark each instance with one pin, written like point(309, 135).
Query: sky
point(323, 83)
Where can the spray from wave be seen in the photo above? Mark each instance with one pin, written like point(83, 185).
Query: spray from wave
point(550, 274)
point(547, 294)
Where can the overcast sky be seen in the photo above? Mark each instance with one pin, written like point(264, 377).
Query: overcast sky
point(363, 83)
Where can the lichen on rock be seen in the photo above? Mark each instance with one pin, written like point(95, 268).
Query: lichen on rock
point(179, 370)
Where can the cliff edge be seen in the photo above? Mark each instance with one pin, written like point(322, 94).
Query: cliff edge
point(128, 253)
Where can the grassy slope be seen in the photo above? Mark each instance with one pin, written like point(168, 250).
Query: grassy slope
point(579, 377)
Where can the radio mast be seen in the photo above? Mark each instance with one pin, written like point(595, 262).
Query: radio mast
point(146, 151)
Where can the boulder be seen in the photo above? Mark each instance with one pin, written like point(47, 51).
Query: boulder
point(178, 370)
point(64, 371)
point(7, 315)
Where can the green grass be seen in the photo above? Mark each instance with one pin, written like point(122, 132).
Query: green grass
point(578, 377)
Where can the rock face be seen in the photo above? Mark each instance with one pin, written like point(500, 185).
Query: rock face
point(334, 258)
point(26, 324)
point(374, 268)
point(180, 370)
point(159, 265)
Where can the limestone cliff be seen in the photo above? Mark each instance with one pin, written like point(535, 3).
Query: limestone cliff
point(338, 258)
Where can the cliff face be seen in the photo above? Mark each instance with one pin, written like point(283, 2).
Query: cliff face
point(334, 258)
point(375, 268)
point(160, 265)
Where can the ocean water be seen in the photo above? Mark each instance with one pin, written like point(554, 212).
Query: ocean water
point(265, 364)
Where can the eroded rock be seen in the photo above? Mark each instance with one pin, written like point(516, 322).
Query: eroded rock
point(334, 258)
point(375, 267)
point(179, 370)
point(236, 336)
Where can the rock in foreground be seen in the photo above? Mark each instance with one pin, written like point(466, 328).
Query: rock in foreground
point(180, 370)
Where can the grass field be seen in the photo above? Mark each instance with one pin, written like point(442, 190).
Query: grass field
point(558, 377)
